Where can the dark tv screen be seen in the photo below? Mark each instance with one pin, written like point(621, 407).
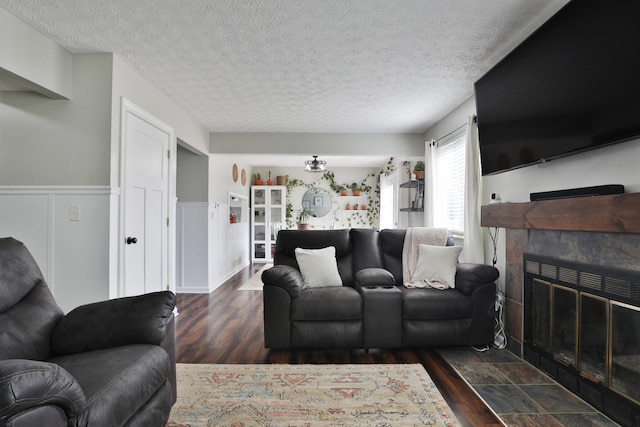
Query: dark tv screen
point(572, 86)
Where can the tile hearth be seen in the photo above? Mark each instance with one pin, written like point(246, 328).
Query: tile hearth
point(520, 394)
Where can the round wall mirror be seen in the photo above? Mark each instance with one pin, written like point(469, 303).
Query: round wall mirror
point(317, 202)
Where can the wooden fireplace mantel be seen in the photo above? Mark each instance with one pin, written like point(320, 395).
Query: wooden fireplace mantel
point(613, 214)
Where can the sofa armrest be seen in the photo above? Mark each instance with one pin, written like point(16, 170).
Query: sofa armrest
point(375, 277)
point(471, 276)
point(140, 319)
point(285, 277)
point(28, 384)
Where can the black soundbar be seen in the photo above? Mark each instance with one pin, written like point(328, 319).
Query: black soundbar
point(598, 190)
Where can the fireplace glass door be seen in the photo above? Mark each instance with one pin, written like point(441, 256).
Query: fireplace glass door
point(593, 337)
point(540, 314)
point(625, 350)
point(565, 332)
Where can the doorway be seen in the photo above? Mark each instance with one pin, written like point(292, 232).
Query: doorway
point(147, 210)
point(389, 200)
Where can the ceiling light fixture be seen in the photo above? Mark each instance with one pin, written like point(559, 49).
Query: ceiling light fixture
point(315, 165)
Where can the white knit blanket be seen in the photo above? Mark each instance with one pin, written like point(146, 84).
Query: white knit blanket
point(416, 236)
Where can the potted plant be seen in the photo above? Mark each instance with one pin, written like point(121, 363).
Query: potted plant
point(419, 169)
point(343, 190)
point(303, 218)
point(269, 180)
point(256, 179)
point(355, 188)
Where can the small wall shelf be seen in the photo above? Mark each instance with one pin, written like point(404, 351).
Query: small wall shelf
point(417, 200)
point(614, 214)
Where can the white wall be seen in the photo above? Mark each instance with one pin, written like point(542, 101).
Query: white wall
point(192, 176)
point(615, 164)
point(221, 177)
point(47, 66)
point(70, 144)
point(405, 145)
point(74, 266)
point(229, 244)
point(59, 142)
point(129, 84)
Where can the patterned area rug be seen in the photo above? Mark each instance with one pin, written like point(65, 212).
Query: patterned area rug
point(255, 282)
point(308, 395)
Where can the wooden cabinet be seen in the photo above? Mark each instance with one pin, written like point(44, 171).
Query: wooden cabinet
point(268, 216)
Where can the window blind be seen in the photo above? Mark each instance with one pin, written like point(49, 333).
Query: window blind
point(449, 183)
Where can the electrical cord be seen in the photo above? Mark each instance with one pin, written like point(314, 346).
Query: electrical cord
point(494, 240)
point(500, 337)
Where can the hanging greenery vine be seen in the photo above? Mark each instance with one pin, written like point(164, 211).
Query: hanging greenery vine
point(291, 184)
point(366, 217)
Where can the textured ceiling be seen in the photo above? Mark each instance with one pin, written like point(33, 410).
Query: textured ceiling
point(380, 66)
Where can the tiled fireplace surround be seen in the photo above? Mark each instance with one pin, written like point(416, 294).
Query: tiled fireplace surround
point(618, 250)
point(600, 230)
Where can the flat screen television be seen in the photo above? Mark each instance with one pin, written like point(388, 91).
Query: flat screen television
point(572, 86)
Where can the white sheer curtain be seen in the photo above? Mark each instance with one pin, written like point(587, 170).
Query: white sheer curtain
point(429, 179)
point(473, 251)
point(473, 245)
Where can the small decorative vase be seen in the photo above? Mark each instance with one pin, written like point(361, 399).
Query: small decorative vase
point(281, 179)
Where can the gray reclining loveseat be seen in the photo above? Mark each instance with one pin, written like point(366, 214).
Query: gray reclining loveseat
point(372, 309)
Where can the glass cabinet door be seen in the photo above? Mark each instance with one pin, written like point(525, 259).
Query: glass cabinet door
point(268, 204)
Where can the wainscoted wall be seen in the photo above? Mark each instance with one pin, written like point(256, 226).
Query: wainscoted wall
point(71, 250)
point(209, 249)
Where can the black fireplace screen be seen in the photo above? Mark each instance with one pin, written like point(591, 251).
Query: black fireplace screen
point(582, 326)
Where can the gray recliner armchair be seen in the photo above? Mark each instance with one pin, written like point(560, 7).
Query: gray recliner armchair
point(110, 363)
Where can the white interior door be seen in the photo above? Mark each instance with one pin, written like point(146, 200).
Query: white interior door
point(389, 201)
point(146, 206)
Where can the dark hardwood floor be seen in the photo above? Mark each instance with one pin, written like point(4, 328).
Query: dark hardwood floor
point(226, 327)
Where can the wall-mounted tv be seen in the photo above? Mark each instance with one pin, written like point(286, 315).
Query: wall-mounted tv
point(573, 85)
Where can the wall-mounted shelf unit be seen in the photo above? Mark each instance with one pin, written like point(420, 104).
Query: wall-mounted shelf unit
point(415, 201)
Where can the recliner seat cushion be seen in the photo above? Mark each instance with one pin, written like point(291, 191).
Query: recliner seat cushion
point(435, 304)
point(118, 381)
point(339, 303)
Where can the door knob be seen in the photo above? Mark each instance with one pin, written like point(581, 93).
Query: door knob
point(131, 240)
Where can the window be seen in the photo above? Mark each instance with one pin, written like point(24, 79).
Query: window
point(448, 193)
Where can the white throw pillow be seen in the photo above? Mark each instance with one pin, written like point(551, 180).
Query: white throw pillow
point(437, 266)
point(318, 267)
